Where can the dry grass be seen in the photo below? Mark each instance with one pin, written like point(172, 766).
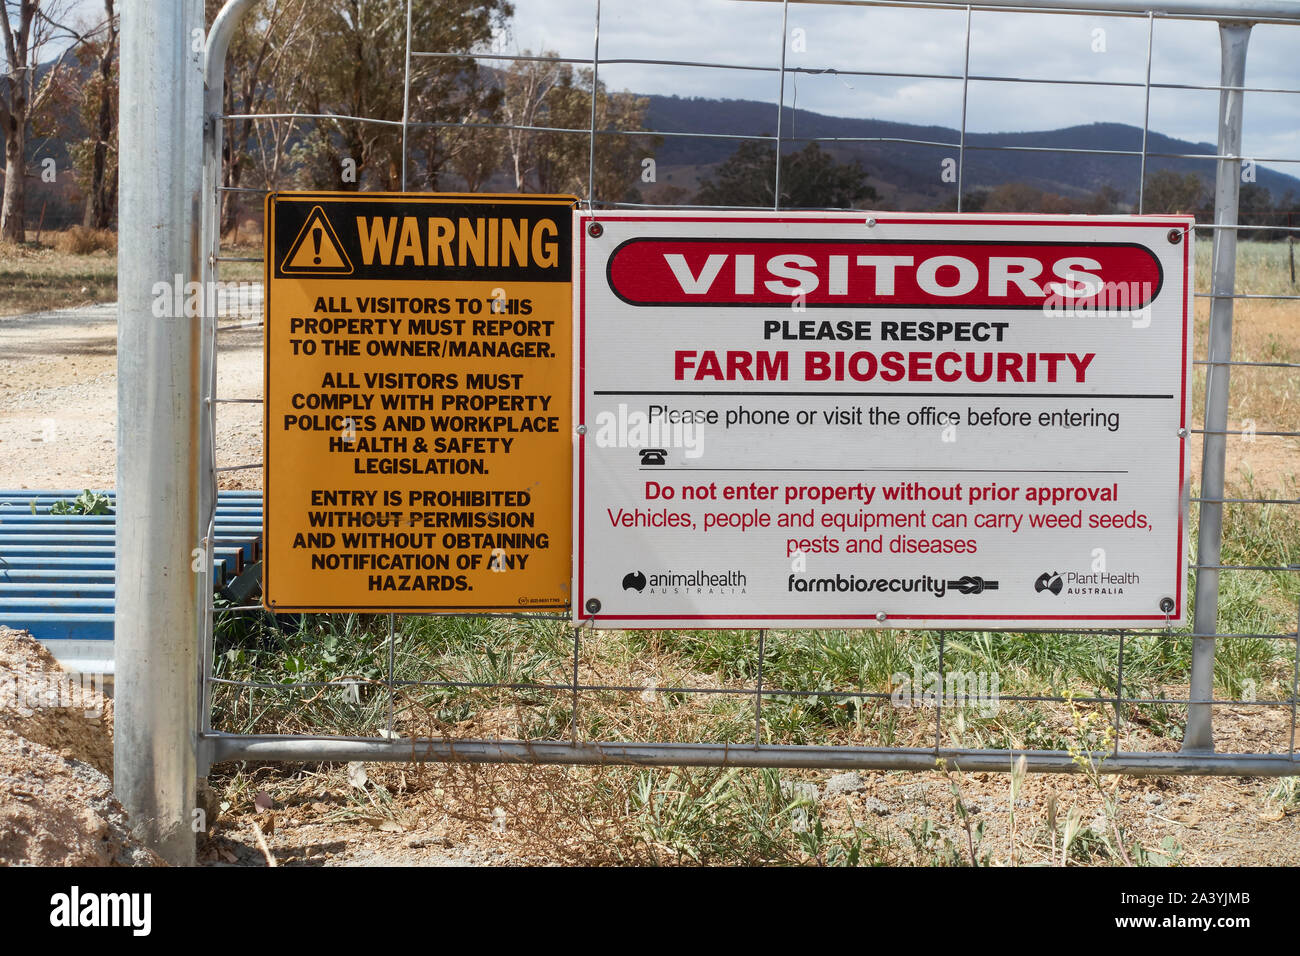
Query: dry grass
point(242, 271)
point(1263, 398)
point(39, 277)
point(81, 241)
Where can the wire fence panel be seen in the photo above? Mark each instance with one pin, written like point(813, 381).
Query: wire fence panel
point(1218, 696)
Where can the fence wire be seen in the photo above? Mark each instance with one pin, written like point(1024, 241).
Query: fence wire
point(539, 694)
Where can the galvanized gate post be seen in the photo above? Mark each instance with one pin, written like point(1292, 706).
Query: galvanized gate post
point(1233, 38)
point(214, 71)
point(157, 625)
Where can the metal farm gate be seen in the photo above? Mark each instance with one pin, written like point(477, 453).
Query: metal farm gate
point(1193, 704)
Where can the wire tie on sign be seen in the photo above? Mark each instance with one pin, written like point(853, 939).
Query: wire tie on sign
point(594, 228)
point(1167, 605)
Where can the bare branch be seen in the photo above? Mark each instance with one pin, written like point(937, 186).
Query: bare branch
point(11, 50)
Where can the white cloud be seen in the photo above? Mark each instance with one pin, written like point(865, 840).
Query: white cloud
point(901, 40)
point(848, 37)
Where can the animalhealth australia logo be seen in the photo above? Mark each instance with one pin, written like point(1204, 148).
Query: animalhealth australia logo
point(697, 581)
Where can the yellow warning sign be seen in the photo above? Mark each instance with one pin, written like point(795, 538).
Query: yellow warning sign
point(317, 250)
point(418, 433)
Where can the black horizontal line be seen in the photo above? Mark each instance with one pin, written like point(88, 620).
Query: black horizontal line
point(888, 394)
point(971, 471)
point(670, 468)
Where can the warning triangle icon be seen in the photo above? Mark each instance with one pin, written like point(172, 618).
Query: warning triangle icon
point(317, 250)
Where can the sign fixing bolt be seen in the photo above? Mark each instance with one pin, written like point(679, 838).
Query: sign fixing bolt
point(1175, 236)
point(1167, 605)
point(871, 224)
point(581, 429)
point(882, 617)
point(1183, 433)
point(593, 606)
point(595, 230)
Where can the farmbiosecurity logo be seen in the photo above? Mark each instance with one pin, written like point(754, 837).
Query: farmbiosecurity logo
point(969, 584)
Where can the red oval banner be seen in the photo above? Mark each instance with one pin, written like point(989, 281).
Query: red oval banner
point(1115, 277)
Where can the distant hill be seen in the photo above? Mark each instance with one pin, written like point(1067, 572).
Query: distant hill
point(904, 172)
point(908, 175)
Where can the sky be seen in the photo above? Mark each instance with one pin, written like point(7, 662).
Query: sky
point(848, 37)
point(852, 36)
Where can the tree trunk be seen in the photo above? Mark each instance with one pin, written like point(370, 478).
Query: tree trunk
point(94, 216)
point(228, 212)
point(13, 212)
point(230, 200)
point(99, 213)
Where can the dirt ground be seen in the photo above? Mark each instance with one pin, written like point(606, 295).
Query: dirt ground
point(56, 806)
point(57, 427)
point(452, 816)
point(58, 400)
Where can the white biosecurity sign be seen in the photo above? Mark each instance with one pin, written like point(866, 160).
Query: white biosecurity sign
point(864, 420)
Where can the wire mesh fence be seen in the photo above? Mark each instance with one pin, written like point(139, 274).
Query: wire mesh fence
point(1217, 696)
